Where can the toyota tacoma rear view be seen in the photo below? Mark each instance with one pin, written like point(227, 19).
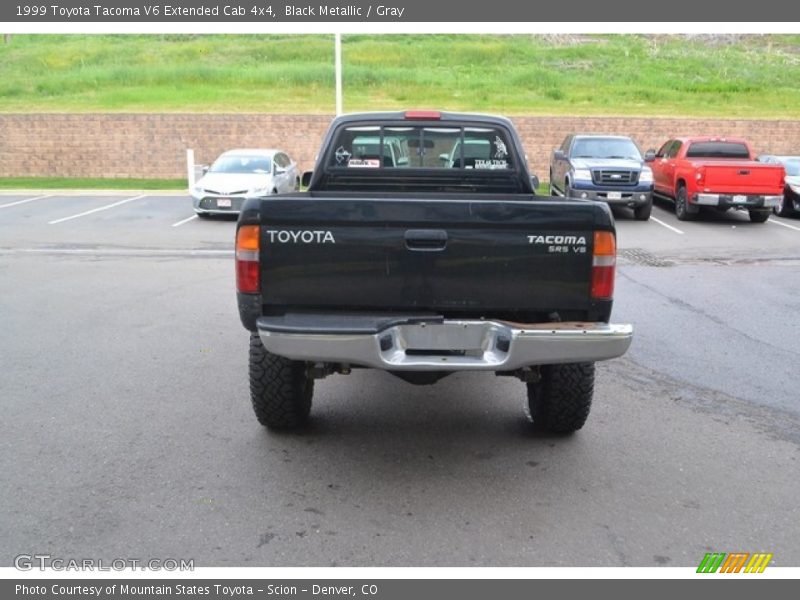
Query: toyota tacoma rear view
point(423, 267)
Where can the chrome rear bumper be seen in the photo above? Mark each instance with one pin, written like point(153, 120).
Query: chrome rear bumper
point(452, 345)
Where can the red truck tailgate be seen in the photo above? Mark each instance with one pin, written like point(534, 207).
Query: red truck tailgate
point(741, 177)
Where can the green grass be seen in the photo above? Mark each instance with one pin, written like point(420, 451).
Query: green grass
point(720, 76)
point(84, 183)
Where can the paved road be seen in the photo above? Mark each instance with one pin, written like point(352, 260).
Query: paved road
point(127, 430)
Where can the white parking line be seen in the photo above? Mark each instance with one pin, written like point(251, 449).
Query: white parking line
point(23, 201)
point(98, 209)
point(660, 222)
point(179, 223)
point(771, 220)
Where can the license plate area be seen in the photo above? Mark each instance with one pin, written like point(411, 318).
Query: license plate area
point(614, 195)
point(223, 202)
point(739, 199)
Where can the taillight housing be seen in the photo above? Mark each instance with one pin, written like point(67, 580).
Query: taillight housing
point(248, 276)
point(604, 262)
point(700, 174)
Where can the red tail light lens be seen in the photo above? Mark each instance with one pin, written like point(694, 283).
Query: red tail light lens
point(248, 276)
point(700, 175)
point(604, 262)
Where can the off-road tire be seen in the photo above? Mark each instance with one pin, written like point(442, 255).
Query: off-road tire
point(280, 388)
point(561, 401)
point(683, 211)
point(758, 216)
point(642, 213)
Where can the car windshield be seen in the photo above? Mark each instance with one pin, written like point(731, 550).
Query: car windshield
point(241, 164)
point(605, 148)
point(792, 167)
point(718, 150)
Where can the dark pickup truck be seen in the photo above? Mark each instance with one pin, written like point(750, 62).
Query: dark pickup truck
point(424, 267)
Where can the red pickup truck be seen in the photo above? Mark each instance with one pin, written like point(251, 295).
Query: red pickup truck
point(715, 172)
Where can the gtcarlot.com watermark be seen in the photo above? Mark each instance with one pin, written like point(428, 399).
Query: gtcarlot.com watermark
point(46, 562)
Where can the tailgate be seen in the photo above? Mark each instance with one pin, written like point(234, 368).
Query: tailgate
point(743, 177)
point(453, 256)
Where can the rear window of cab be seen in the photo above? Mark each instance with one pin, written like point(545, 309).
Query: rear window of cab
point(717, 150)
point(421, 147)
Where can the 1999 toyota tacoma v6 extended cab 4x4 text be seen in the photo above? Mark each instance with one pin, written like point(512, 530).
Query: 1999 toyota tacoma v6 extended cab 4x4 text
point(424, 268)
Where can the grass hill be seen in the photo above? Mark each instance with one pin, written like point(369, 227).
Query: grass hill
point(719, 76)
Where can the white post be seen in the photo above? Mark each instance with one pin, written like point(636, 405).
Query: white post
point(338, 53)
point(190, 167)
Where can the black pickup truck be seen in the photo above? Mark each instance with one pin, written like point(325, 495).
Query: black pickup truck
point(397, 260)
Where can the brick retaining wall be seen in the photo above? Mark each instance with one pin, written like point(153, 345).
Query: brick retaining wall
point(154, 145)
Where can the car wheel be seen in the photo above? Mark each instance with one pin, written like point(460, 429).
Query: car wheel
point(280, 389)
point(642, 213)
point(682, 209)
point(560, 402)
point(784, 206)
point(758, 216)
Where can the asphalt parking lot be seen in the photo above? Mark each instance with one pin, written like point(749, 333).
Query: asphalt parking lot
point(127, 429)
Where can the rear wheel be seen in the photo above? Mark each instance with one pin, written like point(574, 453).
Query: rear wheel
point(683, 210)
point(642, 213)
point(561, 401)
point(280, 388)
point(758, 216)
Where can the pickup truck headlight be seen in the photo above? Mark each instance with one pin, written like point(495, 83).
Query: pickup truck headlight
point(582, 175)
point(646, 176)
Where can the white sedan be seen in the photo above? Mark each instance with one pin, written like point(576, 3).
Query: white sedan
point(240, 174)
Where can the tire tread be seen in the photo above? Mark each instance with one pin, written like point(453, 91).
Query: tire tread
point(280, 389)
point(562, 400)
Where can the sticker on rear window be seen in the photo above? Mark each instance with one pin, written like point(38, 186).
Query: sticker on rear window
point(481, 163)
point(342, 155)
point(368, 163)
point(502, 151)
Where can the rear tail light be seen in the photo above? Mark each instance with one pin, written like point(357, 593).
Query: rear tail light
point(604, 261)
point(248, 279)
point(423, 115)
point(700, 174)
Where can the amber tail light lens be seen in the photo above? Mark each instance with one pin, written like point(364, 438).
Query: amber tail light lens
point(248, 276)
point(604, 262)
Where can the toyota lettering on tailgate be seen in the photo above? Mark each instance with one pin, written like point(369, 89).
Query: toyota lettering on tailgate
point(283, 236)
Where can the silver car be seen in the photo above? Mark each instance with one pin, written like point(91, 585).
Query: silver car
point(790, 204)
point(240, 174)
